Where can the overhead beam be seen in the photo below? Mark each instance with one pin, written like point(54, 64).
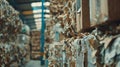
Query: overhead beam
point(27, 12)
point(29, 4)
point(31, 12)
point(27, 7)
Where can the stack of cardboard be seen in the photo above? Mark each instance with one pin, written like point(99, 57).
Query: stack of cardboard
point(62, 25)
point(10, 23)
point(75, 49)
point(63, 19)
point(64, 53)
point(13, 51)
point(24, 40)
point(35, 43)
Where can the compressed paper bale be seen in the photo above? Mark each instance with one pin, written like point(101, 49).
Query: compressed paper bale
point(35, 45)
point(25, 29)
point(10, 23)
point(22, 38)
point(14, 64)
point(13, 52)
point(72, 64)
point(35, 33)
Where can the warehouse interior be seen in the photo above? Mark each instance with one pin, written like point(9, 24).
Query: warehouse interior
point(59, 33)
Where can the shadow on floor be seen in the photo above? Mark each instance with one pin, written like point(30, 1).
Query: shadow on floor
point(34, 63)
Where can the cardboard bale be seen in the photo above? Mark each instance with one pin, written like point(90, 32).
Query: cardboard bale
point(36, 55)
point(36, 48)
point(10, 22)
point(61, 36)
point(35, 33)
point(35, 42)
point(72, 64)
point(14, 64)
point(27, 47)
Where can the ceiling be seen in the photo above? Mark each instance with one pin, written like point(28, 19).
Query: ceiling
point(26, 12)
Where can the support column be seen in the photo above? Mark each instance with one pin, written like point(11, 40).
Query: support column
point(85, 14)
point(42, 39)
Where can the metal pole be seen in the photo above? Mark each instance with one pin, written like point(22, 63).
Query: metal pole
point(42, 34)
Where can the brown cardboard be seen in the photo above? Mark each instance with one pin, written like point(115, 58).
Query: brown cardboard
point(72, 64)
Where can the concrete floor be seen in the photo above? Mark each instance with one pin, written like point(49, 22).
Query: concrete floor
point(33, 63)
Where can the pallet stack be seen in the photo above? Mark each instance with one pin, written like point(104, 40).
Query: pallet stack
point(35, 44)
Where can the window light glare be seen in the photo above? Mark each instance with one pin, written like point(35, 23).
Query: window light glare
point(48, 11)
point(36, 4)
point(37, 20)
point(37, 15)
point(47, 3)
point(47, 15)
point(37, 11)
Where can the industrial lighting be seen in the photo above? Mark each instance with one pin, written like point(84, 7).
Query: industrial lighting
point(37, 4)
point(37, 11)
point(36, 20)
point(47, 16)
point(38, 26)
point(47, 3)
point(37, 15)
point(47, 11)
point(39, 19)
